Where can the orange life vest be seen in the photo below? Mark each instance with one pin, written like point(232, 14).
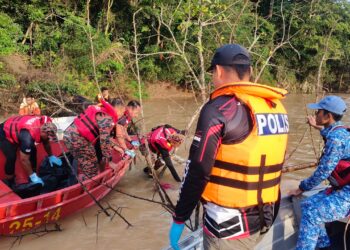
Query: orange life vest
point(15, 124)
point(248, 173)
point(32, 109)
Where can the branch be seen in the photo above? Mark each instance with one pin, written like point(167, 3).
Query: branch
point(209, 21)
point(215, 22)
point(181, 52)
point(323, 59)
point(234, 25)
point(157, 53)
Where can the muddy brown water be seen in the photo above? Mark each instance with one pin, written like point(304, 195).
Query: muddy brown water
point(150, 222)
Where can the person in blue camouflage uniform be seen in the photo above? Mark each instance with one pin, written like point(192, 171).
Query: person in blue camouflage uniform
point(331, 204)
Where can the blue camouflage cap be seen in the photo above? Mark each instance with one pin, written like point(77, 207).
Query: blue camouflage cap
point(331, 103)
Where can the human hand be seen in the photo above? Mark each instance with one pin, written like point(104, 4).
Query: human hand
point(135, 143)
point(311, 120)
point(130, 153)
point(175, 234)
point(36, 179)
point(55, 160)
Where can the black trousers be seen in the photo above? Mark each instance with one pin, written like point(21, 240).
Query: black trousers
point(166, 157)
point(98, 151)
point(10, 152)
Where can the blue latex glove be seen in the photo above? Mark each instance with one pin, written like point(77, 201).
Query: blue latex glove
point(130, 153)
point(175, 234)
point(36, 179)
point(55, 160)
point(135, 143)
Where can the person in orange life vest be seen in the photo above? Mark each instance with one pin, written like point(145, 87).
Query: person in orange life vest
point(93, 126)
point(29, 106)
point(23, 132)
point(161, 141)
point(236, 157)
point(104, 94)
point(132, 111)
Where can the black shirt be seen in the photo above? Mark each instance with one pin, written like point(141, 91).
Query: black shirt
point(222, 120)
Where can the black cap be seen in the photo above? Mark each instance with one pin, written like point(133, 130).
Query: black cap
point(226, 54)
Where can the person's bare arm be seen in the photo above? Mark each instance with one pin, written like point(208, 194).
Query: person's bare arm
point(25, 160)
point(121, 136)
point(47, 147)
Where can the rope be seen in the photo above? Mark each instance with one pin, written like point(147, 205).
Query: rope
point(345, 231)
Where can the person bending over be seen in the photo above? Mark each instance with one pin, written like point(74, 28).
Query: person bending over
point(23, 132)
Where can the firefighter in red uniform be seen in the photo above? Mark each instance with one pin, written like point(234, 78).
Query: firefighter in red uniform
point(23, 132)
point(125, 123)
point(132, 110)
point(93, 127)
point(161, 141)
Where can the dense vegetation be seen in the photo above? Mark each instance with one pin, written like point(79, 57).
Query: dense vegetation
point(45, 45)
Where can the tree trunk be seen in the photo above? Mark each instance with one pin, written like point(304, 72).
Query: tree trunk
point(201, 59)
point(108, 15)
point(88, 12)
point(28, 32)
point(319, 85)
point(271, 9)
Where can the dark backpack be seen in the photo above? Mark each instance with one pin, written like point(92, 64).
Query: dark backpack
point(55, 177)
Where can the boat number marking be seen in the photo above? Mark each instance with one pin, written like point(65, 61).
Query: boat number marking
point(28, 223)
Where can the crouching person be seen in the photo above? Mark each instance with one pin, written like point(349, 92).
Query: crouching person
point(93, 126)
point(161, 141)
point(23, 132)
point(333, 203)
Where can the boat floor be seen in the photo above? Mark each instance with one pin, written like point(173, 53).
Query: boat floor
point(7, 194)
point(284, 232)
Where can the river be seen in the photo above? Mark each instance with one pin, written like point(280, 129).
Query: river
point(150, 221)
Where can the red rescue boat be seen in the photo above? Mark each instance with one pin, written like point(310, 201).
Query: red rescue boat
point(18, 216)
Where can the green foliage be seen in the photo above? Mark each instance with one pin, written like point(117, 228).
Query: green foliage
point(53, 89)
point(109, 68)
point(77, 44)
point(149, 68)
point(7, 80)
point(88, 89)
point(35, 14)
point(134, 90)
point(57, 38)
point(10, 33)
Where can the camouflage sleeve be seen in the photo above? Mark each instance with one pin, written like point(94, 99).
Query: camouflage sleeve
point(332, 154)
point(105, 126)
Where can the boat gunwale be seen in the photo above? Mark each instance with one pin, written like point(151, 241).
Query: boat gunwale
point(113, 170)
